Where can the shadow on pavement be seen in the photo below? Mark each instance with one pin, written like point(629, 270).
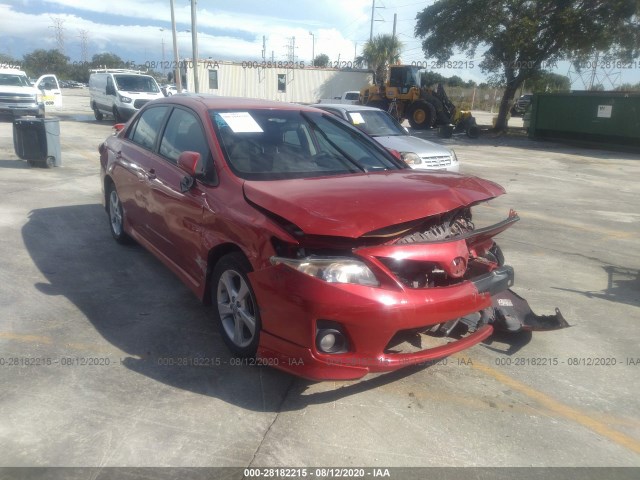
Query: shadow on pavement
point(142, 309)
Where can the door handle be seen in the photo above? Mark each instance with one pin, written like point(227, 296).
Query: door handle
point(119, 154)
point(151, 174)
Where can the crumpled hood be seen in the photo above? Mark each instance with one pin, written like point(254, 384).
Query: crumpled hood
point(352, 205)
point(407, 143)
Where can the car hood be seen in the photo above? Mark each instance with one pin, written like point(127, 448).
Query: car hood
point(352, 205)
point(407, 143)
point(18, 89)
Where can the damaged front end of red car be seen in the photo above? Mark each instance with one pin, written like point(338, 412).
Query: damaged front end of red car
point(390, 297)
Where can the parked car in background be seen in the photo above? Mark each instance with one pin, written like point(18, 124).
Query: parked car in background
point(319, 251)
point(416, 152)
point(350, 98)
point(520, 106)
point(120, 93)
point(172, 90)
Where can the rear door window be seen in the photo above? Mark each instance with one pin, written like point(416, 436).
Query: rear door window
point(145, 131)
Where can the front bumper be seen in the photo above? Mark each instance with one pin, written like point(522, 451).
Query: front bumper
point(292, 304)
point(18, 110)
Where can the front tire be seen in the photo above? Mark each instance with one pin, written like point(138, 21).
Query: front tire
point(116, 216)
point(97, 114)
point(422, 115)
point(234, 305)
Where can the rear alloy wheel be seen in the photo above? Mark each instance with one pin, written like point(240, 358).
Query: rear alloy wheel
point(116, 216)
point(422, 115)
point(235, 306)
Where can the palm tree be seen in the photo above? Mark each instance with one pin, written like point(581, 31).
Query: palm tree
point(378, 54)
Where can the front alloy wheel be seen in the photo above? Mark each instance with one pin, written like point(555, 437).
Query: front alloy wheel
point(235, 305)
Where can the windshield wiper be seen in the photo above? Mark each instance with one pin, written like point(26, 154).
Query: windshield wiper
point(347, 157)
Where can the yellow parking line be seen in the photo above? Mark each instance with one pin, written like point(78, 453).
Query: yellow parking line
point(561, 409)
point(25, 338)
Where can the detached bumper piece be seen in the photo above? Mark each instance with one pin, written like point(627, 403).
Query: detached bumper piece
point(512, 313)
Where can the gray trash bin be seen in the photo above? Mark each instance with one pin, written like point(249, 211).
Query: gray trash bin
point(37, 140)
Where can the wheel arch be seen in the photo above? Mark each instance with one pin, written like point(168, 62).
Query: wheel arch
point(215, 254)
point(108, 182)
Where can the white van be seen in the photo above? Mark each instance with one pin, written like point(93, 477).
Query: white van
point(19, 97)
point(120, 93)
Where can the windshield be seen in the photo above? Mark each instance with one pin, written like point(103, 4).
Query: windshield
point(376, 123)
point(14, 80)
point(278, 144)
point(136, 83)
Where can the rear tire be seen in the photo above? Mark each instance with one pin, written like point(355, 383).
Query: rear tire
point(116, 216)
point(235, 307)
point(97, 113)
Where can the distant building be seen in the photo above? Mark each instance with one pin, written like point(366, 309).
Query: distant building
point(272, 81)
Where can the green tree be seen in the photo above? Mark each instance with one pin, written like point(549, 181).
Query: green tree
point(42, 61)
point(522, 36)
point(7, 60)
point(545, 81)
point(321, 60)
point(629, 87)
point(107, 60)
point(378, 54)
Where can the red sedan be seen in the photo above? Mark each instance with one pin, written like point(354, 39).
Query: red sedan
point(321, 252)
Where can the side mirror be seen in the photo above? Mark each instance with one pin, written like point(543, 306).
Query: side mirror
point(187, 162)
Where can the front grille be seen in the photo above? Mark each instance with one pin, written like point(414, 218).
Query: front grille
point(436, 161)
point(17, 98)
point(139, 103)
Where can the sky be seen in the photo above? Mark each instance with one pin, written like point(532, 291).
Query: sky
point(139, 30)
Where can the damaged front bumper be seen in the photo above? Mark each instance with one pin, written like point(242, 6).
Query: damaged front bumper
point(464, 297)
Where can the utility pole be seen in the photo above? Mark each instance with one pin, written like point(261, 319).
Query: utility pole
point(355, 52)
point(264, 48)
point(373, 11)
point(194, 43)
point(313, 48)
point(395, 19)
point(176, 58)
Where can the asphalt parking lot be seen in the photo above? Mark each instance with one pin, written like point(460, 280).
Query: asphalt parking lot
point(97, 339)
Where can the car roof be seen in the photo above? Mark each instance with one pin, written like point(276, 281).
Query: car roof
point(346, 107)
point(214, 102)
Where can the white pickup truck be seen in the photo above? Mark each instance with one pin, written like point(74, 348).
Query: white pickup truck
point(18, 97)
point(351, 98)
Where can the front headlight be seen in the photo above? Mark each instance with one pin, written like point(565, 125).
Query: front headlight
point(39, 98)
point(410, 158)
point(331, 269)
point(124, 99)
point(454, 157)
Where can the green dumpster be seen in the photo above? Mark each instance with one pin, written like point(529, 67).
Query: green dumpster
point(605, 119)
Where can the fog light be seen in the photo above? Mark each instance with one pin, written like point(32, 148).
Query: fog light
point(330, 340)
